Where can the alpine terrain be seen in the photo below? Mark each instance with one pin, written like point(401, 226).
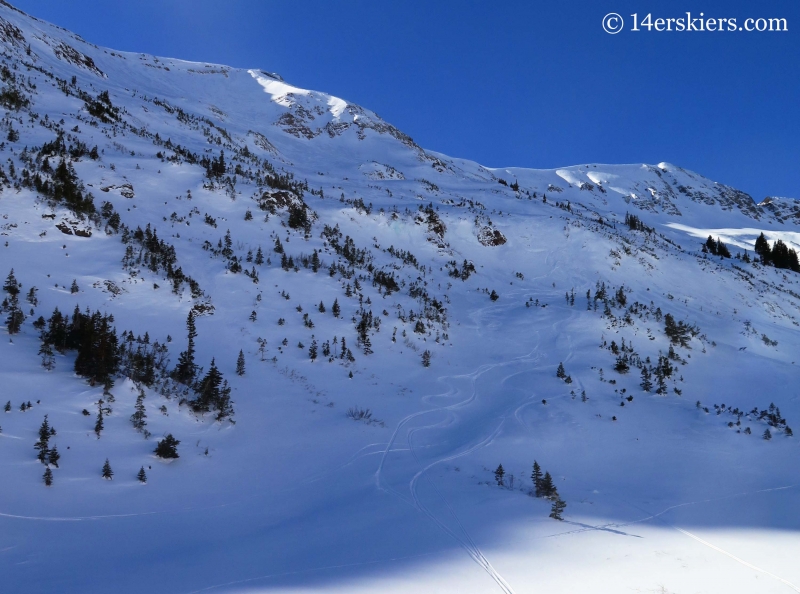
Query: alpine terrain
point(256, 339)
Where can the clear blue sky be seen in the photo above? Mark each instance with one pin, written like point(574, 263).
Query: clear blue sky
point(529, 83)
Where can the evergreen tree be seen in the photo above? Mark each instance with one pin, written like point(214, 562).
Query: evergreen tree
point(48, 358)
point(367, 344)
point(321, 307)
point(107, 473)
point(763, 250)
point(139, 416)
point(536, 477)
point(11, 286)
point(426, 358)
point(48, 477)
point(7, 407)
point(213, 392)
point(646, 384)
point(548, 488)
point(560, 372)
point(186, 369)
point(74, 288)
point(556, 509)
point(312, 350)
point(32, 299)
point(141, 476)
point(767, 435)
point(167, 447)
point(53, 456)
point(240, 363)
point(42, 445)
point(335, 309)
point(499, 474)
point(259, 257)
point(98, 425)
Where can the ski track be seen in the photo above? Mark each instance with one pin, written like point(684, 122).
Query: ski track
point(714, 547)
point(461, 536)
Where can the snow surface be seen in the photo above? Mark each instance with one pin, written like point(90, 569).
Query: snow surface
point(297, 497)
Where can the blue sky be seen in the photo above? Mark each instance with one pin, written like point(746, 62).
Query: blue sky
point(528, 84)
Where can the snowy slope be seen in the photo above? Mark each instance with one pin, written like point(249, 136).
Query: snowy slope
point(290, 494)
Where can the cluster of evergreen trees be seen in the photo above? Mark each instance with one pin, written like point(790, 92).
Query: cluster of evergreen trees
point(157, 255)
point(679, 333)
point(91, 334)
point(716, 248)
point(543, 486)
point(47, 455)
point(562, 374)
point(467, 269)
point(212, 392)
point(779, 255)
point(634, 223)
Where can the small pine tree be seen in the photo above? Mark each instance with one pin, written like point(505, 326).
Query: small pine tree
point(646, 384)
point(141, 476)
point(48, 358)
point(186, 368)
point(536, 477)
point(48, 477)
point(426, 358)
point(499, 474)
point(259, 257)
point(74, 288)
point(767, 435)
point(321, 307)
point(44, 440)
point(53, 456)
point(139, 416)
point(494, 296)
point(11, 286)
point(560, 373)
point(167, 447)
point(335, 309)
point(556, 509)
point(98, 425)
point(240, 363)
point(7, 407)
point(107, 473)
point(312, 350)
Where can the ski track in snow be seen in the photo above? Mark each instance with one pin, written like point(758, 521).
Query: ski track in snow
point(461, 535)
point(714, 547)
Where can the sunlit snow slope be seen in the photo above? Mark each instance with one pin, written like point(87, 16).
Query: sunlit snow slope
point(356, 467)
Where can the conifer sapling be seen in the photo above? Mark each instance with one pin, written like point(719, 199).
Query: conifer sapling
point(107, 473)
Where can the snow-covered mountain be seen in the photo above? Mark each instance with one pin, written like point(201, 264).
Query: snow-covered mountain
point(407, 323)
